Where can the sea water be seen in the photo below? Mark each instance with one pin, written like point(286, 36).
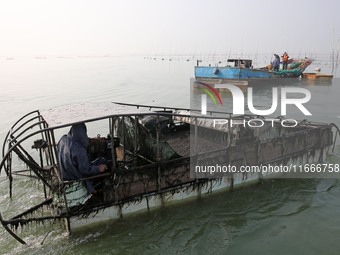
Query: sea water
point(295, 216)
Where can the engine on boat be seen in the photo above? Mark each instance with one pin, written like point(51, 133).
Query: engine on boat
point(101, 146)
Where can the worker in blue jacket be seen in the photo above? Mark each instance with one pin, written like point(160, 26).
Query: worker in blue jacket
point(276, 63)
point(73, 158)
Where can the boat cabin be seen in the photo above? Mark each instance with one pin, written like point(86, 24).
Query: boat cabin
point(240, 63)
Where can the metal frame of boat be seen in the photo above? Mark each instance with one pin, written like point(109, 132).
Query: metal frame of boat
point(150, 158)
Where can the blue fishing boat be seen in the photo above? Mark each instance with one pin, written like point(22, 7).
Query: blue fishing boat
point(242, 69)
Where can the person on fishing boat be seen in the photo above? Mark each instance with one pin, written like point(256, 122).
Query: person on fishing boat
point(275, 64)
point(285, 58)
point(73, 158)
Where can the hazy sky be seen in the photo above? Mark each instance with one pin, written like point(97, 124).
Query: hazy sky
point(100, 27)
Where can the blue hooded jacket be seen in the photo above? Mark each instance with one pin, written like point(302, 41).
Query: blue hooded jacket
point(72, 156)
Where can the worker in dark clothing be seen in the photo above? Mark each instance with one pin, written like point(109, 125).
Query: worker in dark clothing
point(73, 158)
point(276, 63)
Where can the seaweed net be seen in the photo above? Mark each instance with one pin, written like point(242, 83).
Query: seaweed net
point(139, 136)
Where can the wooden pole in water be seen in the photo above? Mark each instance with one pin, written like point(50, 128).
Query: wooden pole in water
point(333, 57)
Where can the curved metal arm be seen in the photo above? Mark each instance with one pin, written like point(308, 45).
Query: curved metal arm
point(3, 223)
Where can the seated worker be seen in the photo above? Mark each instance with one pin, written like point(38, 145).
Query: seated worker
point(73, 159)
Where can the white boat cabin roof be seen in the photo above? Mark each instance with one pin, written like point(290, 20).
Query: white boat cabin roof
point(83, 112)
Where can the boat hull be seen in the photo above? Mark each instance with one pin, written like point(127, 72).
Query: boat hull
point(188, 192)
point(231, 73)
point(234, 73)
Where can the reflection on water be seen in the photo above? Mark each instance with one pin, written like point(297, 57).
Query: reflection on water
point(316, 82)
point(273, 217)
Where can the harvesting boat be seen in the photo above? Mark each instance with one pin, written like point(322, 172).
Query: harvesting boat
point(154, 155)
point(242, 69)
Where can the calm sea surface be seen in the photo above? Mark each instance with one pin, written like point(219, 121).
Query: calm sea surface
point(295, 216)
